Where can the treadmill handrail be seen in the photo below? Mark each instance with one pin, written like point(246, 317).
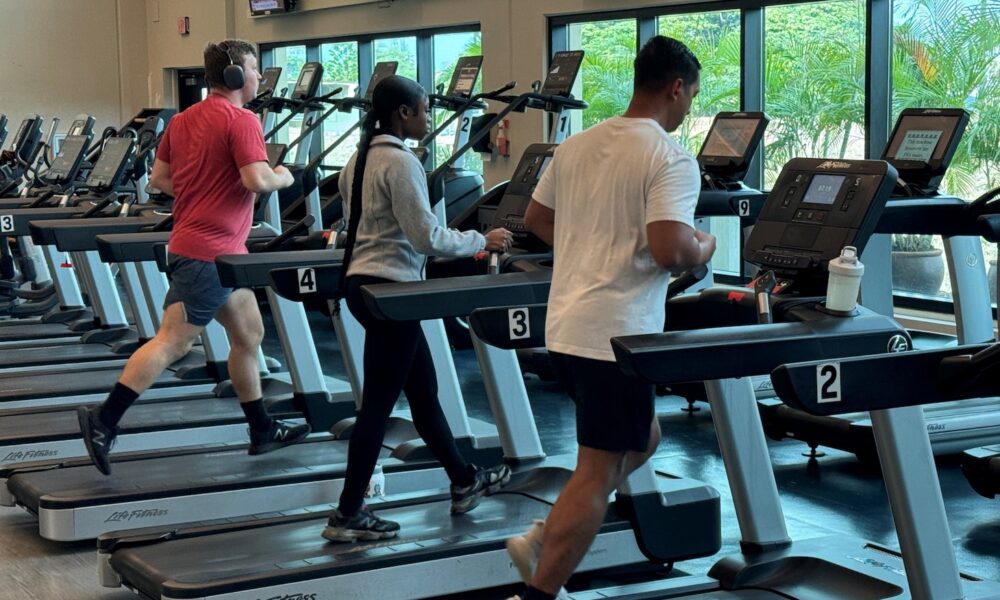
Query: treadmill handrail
point(454, 296)
point(746, 350)
point(921, 381)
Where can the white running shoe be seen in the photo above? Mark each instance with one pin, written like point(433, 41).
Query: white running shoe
point(524, 551)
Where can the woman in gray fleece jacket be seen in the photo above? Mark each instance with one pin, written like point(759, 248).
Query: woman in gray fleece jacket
point(391, 231)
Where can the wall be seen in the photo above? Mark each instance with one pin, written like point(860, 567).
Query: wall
point(61, 58)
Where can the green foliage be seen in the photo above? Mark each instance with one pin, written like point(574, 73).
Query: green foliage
point(911, 242)
point(946, 53)
point(401, 50)
point(340, 62)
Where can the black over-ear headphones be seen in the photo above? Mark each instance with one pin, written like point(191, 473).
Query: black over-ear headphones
point(232, 75)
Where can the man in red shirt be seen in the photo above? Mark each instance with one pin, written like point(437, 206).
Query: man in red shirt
point(212, 160)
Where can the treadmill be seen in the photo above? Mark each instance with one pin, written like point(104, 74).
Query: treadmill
point(921, 148)
point(436, 554)
point(710, 339)
point(101, 185)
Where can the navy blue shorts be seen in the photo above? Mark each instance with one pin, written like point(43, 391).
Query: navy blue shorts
point(614, 412)
point(196, 284)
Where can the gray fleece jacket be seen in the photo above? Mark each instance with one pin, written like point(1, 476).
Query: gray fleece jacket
point(398, 230)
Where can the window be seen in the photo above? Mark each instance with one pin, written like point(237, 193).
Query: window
point(714, 38)
point(605, 80)
point(814, 82)
point(403, 50)
point(947, 54)
point(448, 48)
point(290, 59)
point(340, 69)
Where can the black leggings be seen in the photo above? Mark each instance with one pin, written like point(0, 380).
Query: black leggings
point(397, 359)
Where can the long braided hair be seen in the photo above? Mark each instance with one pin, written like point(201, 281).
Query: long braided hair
point(389, 94)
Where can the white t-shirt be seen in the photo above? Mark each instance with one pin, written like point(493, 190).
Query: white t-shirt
point(605, 185)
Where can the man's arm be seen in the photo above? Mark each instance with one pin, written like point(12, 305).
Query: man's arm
point(259, 178)
point(541, 221)
point(159, 177)
point(677, 246)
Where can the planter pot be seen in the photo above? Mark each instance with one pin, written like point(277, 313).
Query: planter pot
point(918, 272)
point(993, 281)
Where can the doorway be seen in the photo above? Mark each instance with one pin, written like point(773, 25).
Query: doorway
point(191, 87)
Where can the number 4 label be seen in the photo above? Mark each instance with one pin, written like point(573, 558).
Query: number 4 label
point(307, 280)
point(6, 223)
point(828, 383)
point(520, 326)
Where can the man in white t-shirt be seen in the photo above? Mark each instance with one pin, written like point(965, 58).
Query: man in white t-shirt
point(617, 205)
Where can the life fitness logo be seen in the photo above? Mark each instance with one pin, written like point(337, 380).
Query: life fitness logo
point(898, 343)
point(832, 164)
point(292, 597)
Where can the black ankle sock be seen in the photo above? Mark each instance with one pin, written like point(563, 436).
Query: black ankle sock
point(113, 409)
point(531, 593)
point(257, 415)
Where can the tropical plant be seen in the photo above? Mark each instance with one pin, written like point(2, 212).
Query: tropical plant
point(912, 242)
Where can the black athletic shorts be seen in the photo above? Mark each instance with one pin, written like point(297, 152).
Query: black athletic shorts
point(614, 412)
point(196, 284)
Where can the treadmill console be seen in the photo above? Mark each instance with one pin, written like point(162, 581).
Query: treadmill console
point(83, 124)
point(157, 118)
point(309, 79)
point(464, 77)
point(923, 143)
point(731, 144)
point(114, 160)
point(269, 81)
point(381, 71)
point(509, 213)
point(27, 137)
point(67, 161)
point(816, 208)
point(563, 69)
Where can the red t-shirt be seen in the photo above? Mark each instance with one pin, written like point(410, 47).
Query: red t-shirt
point(206, 145)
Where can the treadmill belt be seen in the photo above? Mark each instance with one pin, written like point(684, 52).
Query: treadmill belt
point(60, 423)
point(204, 472)
point(65, 353)
point(27, 387)
point(198, 566)
point(35, 331)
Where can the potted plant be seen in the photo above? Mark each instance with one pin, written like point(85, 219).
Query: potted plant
point(917, 266)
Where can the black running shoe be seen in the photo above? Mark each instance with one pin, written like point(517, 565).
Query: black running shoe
point(488, 482)
point(364, 525)
point(98, 438)
point(281, 434)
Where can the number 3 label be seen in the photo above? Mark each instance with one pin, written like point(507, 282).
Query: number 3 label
point(307, 281)
point(828, 383)
point(6, 223)
point(517, 319)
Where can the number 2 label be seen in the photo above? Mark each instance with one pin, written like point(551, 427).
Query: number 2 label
point(828, 383)
point(520, 326)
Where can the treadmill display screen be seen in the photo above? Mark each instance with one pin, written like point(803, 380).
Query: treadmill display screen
point(382, 70)
point(463, 79)
point(730, 138)
point(562, 73)
point(922, 138)
point(113, 157)
point(305, 83)
point(70, 151)
point(824, 189)
point(269, 80)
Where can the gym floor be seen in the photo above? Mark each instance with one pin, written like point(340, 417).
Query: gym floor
point(835, 494)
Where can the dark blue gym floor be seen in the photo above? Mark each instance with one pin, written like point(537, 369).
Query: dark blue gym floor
point(835, 494)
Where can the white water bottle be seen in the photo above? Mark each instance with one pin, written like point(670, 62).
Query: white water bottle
point(845, 281)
